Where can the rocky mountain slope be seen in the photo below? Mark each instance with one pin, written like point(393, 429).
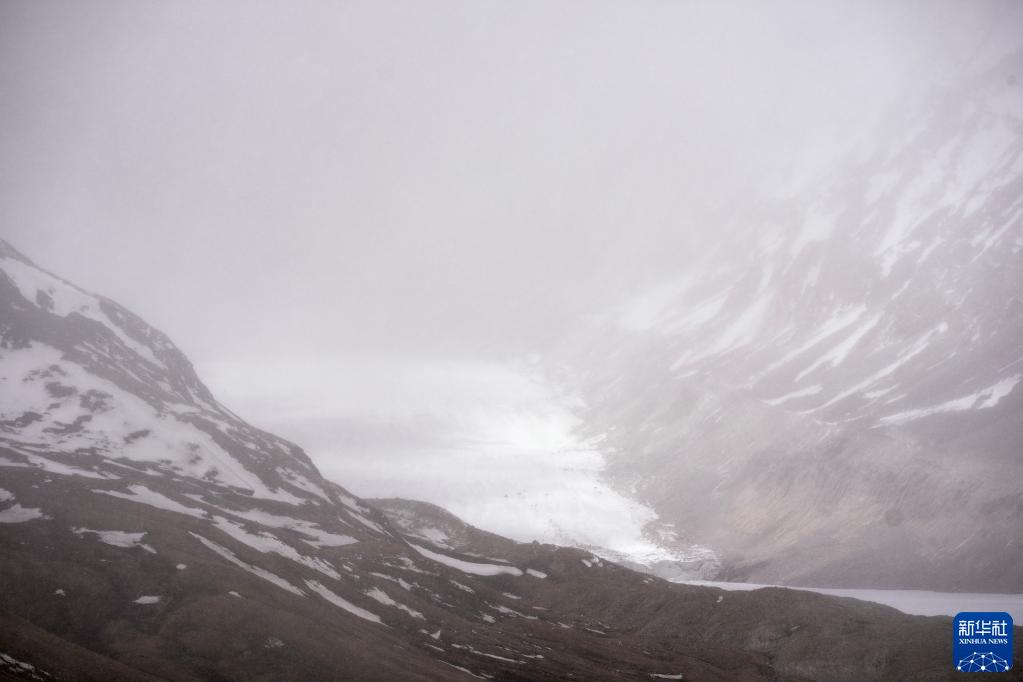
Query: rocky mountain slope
point(829, 394)
point(149, 533)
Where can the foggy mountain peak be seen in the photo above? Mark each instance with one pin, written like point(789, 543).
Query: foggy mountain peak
point(901, 257)
point(174, 568)
point(213, 522)
point(88, 376)
point(860, 334)
point(584, 304)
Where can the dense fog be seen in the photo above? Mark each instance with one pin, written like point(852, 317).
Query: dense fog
point(379, 229)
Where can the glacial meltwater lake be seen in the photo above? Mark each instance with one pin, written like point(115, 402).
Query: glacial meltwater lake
point(915, 602)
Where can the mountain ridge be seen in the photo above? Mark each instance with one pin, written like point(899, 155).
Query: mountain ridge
point(831, 397)
point(159, 568)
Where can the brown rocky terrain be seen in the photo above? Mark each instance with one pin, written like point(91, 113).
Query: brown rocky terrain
point(149, 533)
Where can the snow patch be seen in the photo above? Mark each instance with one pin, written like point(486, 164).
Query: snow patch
point(317, 537)
point(143, 495)
point(254, 570)
point(810, 390)
point(840, 352)
point(466, 566)
point(342, 603)
point(270, 544)
point(19, 514)
point(66, 299)
point(117, 538)
point(981, 400)
point(380, 596)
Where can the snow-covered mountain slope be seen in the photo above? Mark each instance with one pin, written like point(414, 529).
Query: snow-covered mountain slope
point(83, 375)
point(830, 392)
point(148, 533)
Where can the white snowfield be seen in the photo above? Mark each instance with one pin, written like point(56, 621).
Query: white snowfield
point(66, 299)
point(262, 541)
point(254, 570)
point(19, 514)
point(143, 495)
point(123, 425)
point(781, 316)
point(342, 603)
point(467, 566)
point(379, 595)
point(45, 388)
point(315, 536)
point(472, 650)
point(116, 538)
point(268, 543)
point(502, 609)
point(914, 602)
point(809, 390)
point(512, 462)
point(13, 662)
point(51, 466)
point(981, 400)
point(409, 523)
point(16, 513)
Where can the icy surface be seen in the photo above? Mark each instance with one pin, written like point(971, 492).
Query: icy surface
point(495, 445)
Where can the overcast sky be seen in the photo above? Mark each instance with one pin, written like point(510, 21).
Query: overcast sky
point(438, 178)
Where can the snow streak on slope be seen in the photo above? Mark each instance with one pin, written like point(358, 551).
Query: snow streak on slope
point(839, 358)
point(342, 603)
point(981, 400)
point(822, 312)
point(84, 376)
point(466, 566)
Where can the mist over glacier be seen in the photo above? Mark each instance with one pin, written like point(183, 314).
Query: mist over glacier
point(584, 339)
point(643, 280)
point(496, 444)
